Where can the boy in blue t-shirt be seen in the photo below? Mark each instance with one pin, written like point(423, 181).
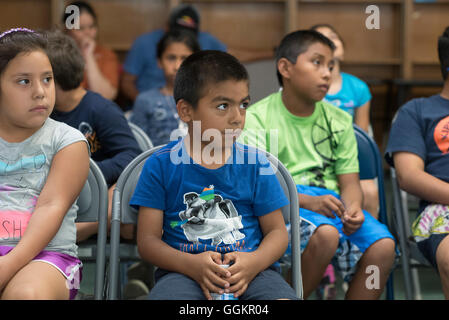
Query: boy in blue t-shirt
point(208, 202)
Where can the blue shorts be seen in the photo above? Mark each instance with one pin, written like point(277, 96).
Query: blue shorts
point(350, 248)
point(267, 285)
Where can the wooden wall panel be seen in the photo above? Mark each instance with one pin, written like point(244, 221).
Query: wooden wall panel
point(362, 45)
point(25, 13)
point(244, 25)
point(429, 22)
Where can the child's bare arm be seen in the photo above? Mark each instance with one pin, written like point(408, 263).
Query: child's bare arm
point(248, 264)
point(204, 267)
point(67, 176)
point(351, 196)
point(413, 179)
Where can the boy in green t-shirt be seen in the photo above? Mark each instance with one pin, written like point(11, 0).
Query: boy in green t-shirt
point(316, 143)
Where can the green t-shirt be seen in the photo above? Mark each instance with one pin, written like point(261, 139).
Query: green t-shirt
point(315, 149)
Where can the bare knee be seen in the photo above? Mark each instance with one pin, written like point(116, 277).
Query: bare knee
point(442, 259)
point(382, 252)
point(324, 239)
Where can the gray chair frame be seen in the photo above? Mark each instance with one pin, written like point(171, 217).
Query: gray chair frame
point(123, 213)
point(142, 138)
point(411, 256)
point(93, 206)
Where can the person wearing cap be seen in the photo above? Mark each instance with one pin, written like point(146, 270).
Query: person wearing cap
point(141, 71)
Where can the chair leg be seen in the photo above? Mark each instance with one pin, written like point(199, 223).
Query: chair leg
point(416, 284)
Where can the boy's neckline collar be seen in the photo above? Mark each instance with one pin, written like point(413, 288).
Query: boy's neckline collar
point(294, 117)
point(228, 160)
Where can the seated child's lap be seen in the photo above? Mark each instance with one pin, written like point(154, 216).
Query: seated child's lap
point(267, 285)
point(70, 267)
point(350, 248)
point(430, 228)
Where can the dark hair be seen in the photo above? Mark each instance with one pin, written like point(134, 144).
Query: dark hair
point(66, 60)
point(184, 36)
point(83, 7)
point(205, 68)
point(325, 25)
point(16, 42)
point(296, 43)
point(184, 16)
point(443, 53)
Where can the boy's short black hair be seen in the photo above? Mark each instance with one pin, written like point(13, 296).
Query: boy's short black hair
point(66, 60)
point(443, 53)
point(203, 69)
point(296, 43)
point(178, 35)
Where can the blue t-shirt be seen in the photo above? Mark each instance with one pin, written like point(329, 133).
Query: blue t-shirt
point(156, 114)
point(141, 60)
point(353, 94)
point(112, 143)
point(209, 209)
point(421, 126)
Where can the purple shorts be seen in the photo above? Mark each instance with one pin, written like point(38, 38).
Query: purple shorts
point(70, 267)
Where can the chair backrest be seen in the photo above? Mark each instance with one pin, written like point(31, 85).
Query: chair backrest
point(370, 166)
point(93, 198)
point(142, 138)
point(93, 206)
point(124, 213)
point(291, 216)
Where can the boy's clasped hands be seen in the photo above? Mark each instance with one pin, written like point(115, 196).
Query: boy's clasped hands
point(351, 216)
point(212, 277)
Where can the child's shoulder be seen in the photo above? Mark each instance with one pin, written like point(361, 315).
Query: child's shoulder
point(250, 154)
point(334, 112)
point(96, 103)
point(58, 127)
point(149, 94)
point(168, 153)
point(265, 103)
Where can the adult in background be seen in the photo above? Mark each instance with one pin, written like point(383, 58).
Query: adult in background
point(102, 67)
point(141, 71)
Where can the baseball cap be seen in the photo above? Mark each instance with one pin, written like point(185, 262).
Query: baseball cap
point(184, 16)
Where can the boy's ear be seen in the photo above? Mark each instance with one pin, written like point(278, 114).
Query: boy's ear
point(284, 67)
point(184, 110)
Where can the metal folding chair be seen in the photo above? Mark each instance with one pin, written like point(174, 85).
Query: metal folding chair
point(142, 138)
point(370, 166)
point(411, 257)
point(123, 213)
point(93, 206)
point(291, 215)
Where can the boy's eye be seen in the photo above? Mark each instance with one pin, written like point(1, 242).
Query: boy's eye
point(222, 106)
point(48, 79)
point(316, 61)
point(23, 81)
point(244, 105)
